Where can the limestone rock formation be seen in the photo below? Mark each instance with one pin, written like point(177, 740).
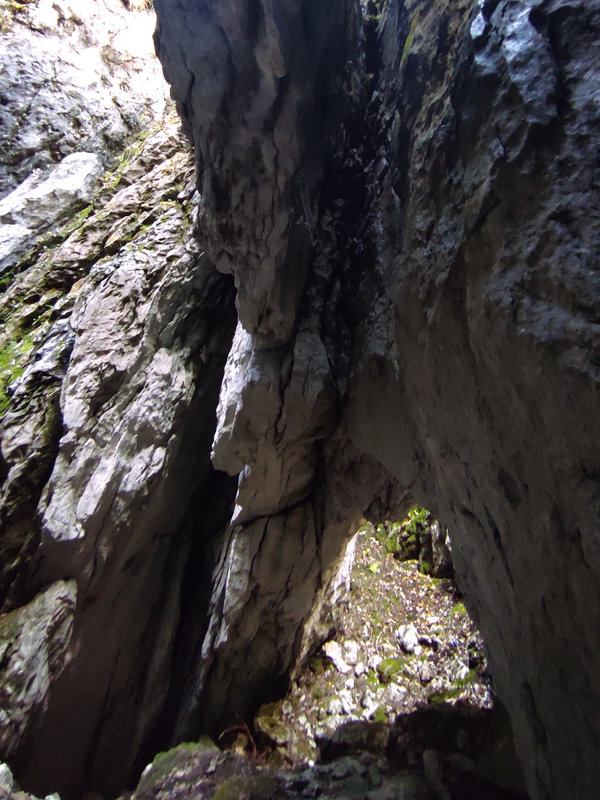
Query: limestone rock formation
point(407, 198)
point(108, 306)
point(452, 201)
point(34, 650)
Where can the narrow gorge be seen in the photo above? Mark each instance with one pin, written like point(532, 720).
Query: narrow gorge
point(353, 269)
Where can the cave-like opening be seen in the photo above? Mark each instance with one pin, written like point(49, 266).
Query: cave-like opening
point(400, 680)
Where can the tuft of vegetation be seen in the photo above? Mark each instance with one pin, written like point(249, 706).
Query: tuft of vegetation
point(401, 539)
point(9, 9)
point(12, 364)
point(140, 5)
point(390, 668)
point(409, 39)
point(453, 693)
point(373, 10)
point(381, 715)
point(254, 787)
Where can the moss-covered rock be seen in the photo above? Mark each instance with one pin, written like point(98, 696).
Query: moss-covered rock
point(257, 787)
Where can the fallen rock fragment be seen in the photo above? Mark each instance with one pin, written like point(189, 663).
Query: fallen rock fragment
point(408, 638)
point(333, 651)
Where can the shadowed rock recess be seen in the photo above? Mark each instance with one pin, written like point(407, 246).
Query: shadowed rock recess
point(407, 199)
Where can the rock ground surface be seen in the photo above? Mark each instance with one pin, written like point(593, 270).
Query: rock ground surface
point(402, 639)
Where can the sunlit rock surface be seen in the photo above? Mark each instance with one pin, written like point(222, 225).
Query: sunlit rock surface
point(76, 76)
point(110, 370)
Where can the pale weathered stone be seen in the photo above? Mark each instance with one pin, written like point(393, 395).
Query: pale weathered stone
point(38, 204)
point(408, 638)
point(7, 781)
point(15, 241)
point(76, 76)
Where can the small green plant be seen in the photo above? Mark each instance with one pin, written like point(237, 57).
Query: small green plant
point(417, 518)
point(389, 669)
point(425, 567)
point(401, 539)
point(409, 40)
point(372, 677)
point(454, 692)
point(373, 10)
point(12, 365)
point(9, 9)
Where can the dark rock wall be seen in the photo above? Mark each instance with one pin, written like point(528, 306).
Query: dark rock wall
point(494, 329)
point(444, 347)
point(256, 84)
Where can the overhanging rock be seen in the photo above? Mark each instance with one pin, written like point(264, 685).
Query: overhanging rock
point(418, 200)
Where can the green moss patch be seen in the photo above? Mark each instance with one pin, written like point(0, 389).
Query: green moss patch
point(13, 358)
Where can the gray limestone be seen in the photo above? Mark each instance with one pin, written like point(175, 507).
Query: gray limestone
point(34, 650)
point(453, 290)
point(76, 76)
point(408, 206)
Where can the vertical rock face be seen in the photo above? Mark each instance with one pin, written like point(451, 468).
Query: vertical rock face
point(115, 331)
point(444, 348)
point(407, 198)
point(260, 127)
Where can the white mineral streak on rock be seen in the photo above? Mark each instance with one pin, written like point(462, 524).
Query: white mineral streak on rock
point(341, 583)
point(236, 582)
point(34, 649)
point(240, 373)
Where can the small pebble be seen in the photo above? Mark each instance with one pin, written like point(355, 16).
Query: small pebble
point(408, 638)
